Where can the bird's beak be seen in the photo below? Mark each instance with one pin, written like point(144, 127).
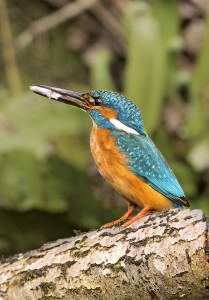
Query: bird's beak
point(66, 96)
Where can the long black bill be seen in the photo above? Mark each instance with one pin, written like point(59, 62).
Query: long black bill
point(60, 95)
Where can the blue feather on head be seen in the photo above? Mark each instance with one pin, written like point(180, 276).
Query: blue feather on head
point(127, 112)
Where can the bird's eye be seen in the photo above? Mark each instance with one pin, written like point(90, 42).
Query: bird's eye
point(97, 101)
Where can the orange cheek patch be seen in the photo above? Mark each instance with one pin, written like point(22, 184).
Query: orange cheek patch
point(108, 113)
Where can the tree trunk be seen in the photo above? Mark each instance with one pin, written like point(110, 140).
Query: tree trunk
point(162, 256)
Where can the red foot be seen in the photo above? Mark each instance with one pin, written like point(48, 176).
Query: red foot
point(125, 217)
point(141, 214)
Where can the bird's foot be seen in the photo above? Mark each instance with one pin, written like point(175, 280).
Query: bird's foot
point(141, 214)
point(111, 224)
point(125, 217)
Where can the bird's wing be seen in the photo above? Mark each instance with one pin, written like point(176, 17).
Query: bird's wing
point(146, 161)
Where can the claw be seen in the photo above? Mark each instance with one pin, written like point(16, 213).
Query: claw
point(125, 217)
point(140, 215)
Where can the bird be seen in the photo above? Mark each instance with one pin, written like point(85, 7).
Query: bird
point(123, 152)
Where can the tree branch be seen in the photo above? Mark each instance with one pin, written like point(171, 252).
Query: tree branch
point(42, 25)
point(162, 256)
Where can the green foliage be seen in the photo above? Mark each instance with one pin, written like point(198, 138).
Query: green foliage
point(32, 123)
point(102, 60)
point(150, 60)
point(198, 117)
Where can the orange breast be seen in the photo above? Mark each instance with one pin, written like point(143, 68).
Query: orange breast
point(113, 167)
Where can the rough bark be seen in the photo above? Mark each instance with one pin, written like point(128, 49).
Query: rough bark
point(162, 256)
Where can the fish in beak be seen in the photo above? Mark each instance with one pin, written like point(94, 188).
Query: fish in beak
point(61, 95)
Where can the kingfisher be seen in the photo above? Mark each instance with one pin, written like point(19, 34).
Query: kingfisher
point(124, 153)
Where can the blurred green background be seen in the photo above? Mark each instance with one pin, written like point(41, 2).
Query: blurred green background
point(156, 54)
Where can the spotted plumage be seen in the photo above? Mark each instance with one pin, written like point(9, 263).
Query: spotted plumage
point(125, 155)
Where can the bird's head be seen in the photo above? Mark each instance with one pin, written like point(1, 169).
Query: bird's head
point(108, 110)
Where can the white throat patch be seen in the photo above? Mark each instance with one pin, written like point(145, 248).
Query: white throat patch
point(120, 126)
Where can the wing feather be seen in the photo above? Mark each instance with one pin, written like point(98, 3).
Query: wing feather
point(146, 161)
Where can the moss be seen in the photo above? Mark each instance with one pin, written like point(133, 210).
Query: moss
point(16, 282)
point(87, 293)
point(27, 276)
point(81, 254)
point(65, 266)
point(33, 275)
point(47, 287)
point(117, 266)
